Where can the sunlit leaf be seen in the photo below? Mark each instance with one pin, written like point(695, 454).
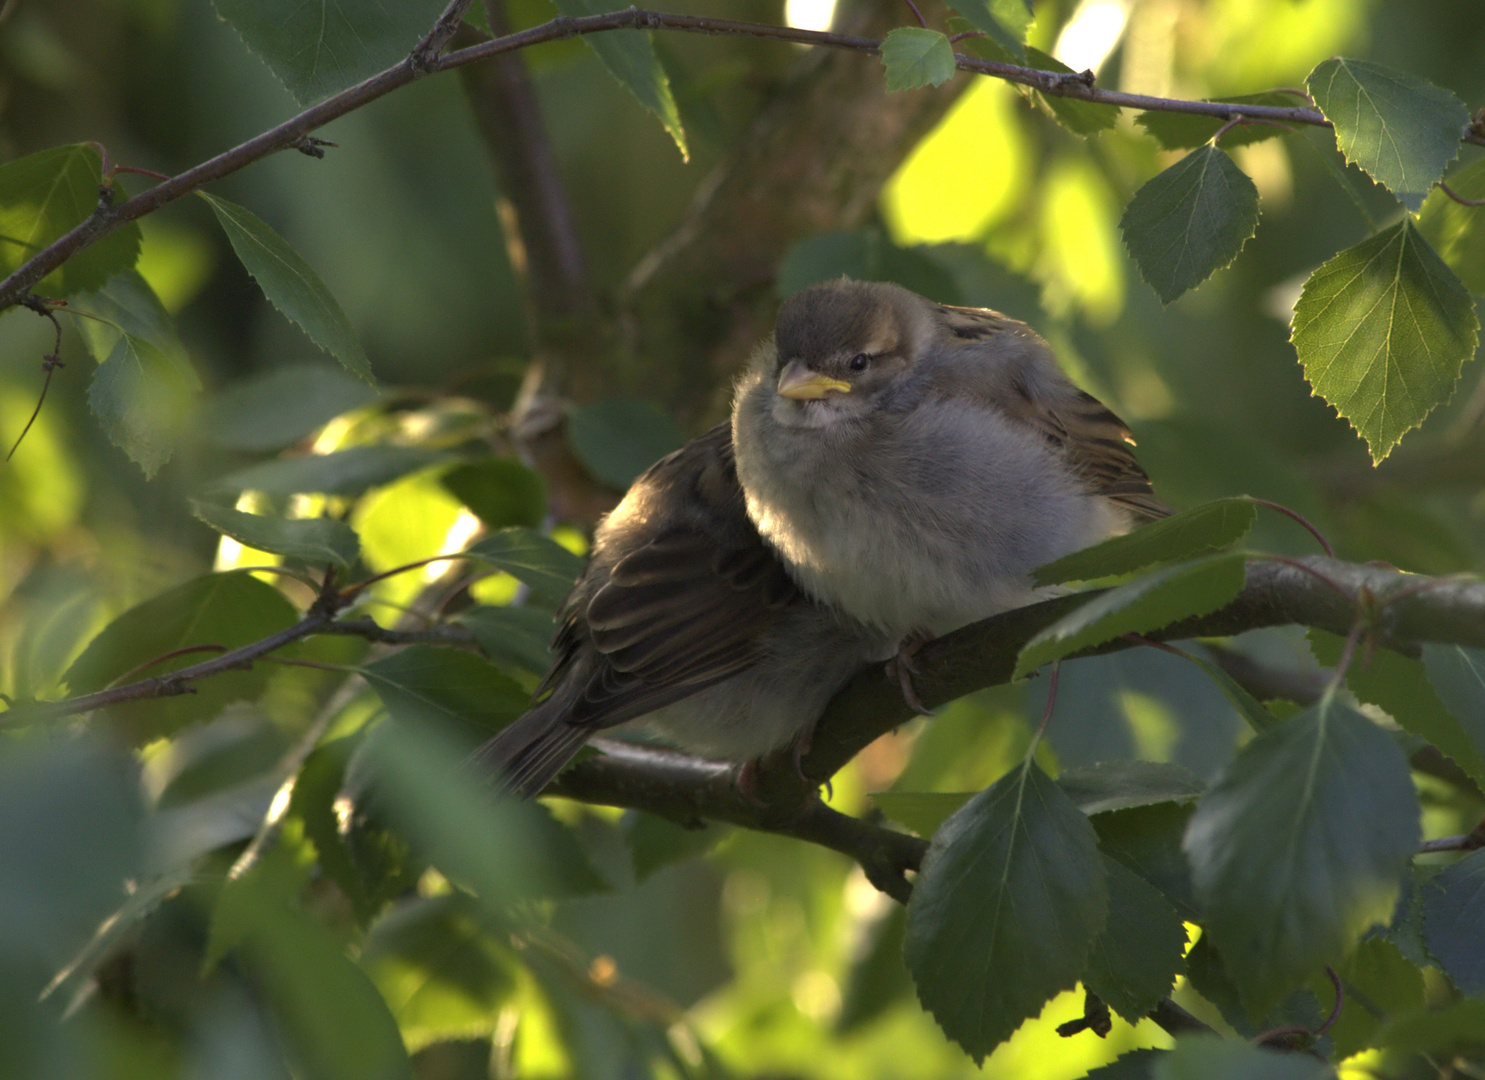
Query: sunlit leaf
point(1457, 231)
point(318, 47)
point(630, 57)
point(1136, 959)
point(1301, 846)
point(1203, 528)
point(1187, 131)
point(315, 540)
point(616, 439)
point(1205, 1057)
point(538, 561)
point(1381, 331)
point(1453, 913)
point(1403, 687)
point(1401, 129)
point(1147, 603)
point(279, 408)
point(915, 56)
point(222, 610)
point(45, 195)
point(290, 284)
point(1006, 21)
point(1190, 221)
point(443, 974)
point(1009, 901)
point(347, 472)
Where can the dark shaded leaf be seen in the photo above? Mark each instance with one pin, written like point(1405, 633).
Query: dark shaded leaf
point(347, 472)
point(1009, 901)
point(315, 540)
point(1121, 785)
point(282, 406)
point(499, 491)
point(45, 195)
point(656, 842)
point(1453, 917)
point(616, 439)
point(1147, 840)
point(1402, 130)
point(1187, 131)
point(1458, 675)
point(290, 284)
point(229, 610)
point(318, 48)
point(1381, 331)
point(537, 560)
point(1205, 1057)
point(630, 58)
point(1300, 847)
point(1190, 221)
point(1208, 977)
point(1147, 603)
point(1456, 1028)
point(445, 688)
point(1378, 983)
point(1135, 1065)
point(1203, 528)
point(517, 635)
point(915, 56)
point(1135, 961)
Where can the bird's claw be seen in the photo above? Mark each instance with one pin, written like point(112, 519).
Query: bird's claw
point(904, 665)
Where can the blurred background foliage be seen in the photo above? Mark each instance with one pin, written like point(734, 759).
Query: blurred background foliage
point(715, 954)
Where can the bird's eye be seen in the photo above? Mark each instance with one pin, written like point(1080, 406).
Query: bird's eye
point(859, 362)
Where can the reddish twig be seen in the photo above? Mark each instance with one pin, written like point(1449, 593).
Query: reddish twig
point(139, 669)
point(917, 14)
point(1460, 199)
point(49, 364)
point(350, 592)
point(1335, 1010)
point(1296, 516)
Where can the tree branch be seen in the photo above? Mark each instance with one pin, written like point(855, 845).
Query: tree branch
point(109, 217)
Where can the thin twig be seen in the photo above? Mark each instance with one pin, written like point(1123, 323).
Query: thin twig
point(1335, 1011)
point(1460, 199)
point(916, 13)
point(1296, 516)
point(49, 363)
point(109, 217)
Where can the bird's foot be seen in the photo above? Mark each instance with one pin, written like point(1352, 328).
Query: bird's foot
point(747, 782)
point(904, 666)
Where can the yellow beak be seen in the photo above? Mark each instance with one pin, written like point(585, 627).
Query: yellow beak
point(801, 384)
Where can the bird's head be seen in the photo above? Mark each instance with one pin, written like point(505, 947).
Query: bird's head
point(842, 345)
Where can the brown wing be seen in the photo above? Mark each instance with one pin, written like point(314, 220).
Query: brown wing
point(678, 594)
point(1095, 442)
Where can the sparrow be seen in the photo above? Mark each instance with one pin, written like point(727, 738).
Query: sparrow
point(894, 469)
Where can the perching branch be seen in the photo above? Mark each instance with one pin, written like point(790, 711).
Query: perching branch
point(110, 215)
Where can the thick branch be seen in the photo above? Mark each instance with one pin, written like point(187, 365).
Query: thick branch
point(290, 132)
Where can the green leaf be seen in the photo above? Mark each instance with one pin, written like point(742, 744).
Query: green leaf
point(1401, 685)
point(1453, 913)
point(1122, 785)
point(1381, 331)
point(616, 439)
point(336, 1023)
point(1300, 847)
point(1147, 840)
point(1402, 130)
point(1208, 977)
point(1135, 961)
point(921, 811)
point(1006, 21)
point(1146, 603)
point(282, 406)
point(315, 540)
point(516, 635)
point(47, 194)
point(655, 842)
point(441, 972)
point(915, 56)
point(1456, 231)
point(1251, 709)
point(1078, 116)
point(1206, 1057)
point(1458, 675)
point(1135, 1065)
point(1208, 527)
point(1377, 974)
point(499, 491)
point(630, 58)
point(347, 472)
point(538, 561)
point(319, 48)
point(290, 284)
point(227, 610)
point(1009, 901)
point(877, 978)
point(432, 685)
point(144, 391)
point(866, 255)
point(1190, 221)
point(1456, 1028)
point(1187, 131)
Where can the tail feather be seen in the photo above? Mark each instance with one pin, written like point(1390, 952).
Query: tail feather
point(532, 749)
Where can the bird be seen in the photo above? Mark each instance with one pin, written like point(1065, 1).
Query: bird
point(894, 468)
